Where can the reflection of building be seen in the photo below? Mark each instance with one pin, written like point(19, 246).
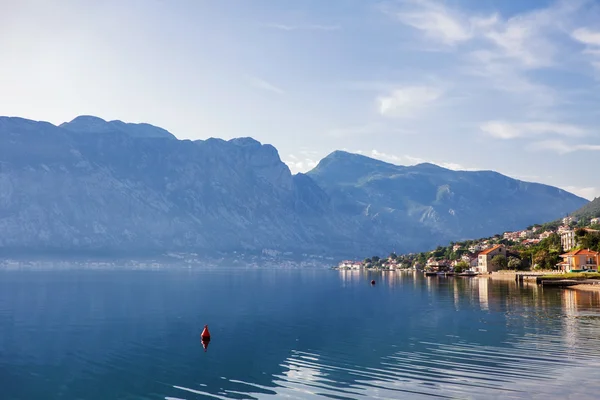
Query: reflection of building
point(570, 319)
point(577, 260)
point(350, 277)
point(483, 293)
point(456, 294)
point(484, 264)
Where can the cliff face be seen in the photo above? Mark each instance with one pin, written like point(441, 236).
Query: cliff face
point(92, 185)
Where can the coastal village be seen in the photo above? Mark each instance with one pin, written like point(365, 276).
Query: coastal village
point(569, 245)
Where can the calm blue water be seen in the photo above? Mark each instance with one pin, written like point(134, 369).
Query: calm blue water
point(292, 334)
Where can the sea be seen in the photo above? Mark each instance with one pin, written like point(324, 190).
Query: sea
point(292, 334)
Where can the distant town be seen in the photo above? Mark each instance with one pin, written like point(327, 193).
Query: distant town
point(570, 245)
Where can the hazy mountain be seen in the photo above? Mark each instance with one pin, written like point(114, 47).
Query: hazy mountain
point(450, 204)
point(111, 187)
point(90, 124)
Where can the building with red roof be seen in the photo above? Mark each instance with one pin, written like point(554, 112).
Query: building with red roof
point(485, 257)
point(577, 260)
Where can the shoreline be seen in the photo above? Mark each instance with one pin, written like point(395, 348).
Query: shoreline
point(585, 287)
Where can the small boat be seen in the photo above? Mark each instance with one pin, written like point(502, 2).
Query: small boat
point(430, 273)
point(468, 273)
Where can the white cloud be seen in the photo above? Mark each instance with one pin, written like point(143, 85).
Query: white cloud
point(592, 41)
point(499, 50)
point(303, 161)
point(436, 22)
point(284, 27)
point(407, 101)
point(300, 165)
point(264, 85)
point(560, 147)
point(589, 192)
point(523, 38)
point(508, 130)
point(586, 36)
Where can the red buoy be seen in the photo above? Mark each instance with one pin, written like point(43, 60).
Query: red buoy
point(205, 337)
point(205, 333)
point(373, 282)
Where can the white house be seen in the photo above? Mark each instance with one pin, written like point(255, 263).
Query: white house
point(350, 264)
point(485, 258)
point(474, 248)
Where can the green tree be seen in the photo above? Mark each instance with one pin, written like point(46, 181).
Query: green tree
point(393, 256)
point(590, 241)
point(499, 262)
point(461, 267)
point(514, 263)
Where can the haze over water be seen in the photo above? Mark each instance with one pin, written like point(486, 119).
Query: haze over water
point(293, 333)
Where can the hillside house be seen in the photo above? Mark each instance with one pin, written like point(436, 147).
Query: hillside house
point(472, 260)
point(485, 257)
point(569, 220)
point(474, 248)
point(568, 239)
point(595, 221)
point(545, 235)
point(437, 264)
point(577, 260)
point(511, 235)
point(526, 234)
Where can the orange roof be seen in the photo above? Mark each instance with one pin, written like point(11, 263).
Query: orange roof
point(488, 251)
point(581, 252)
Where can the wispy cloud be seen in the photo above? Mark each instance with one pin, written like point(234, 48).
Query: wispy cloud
point(591, 39)
point(587, 36)
point(500, 51)
point(508, 130)
point(264, 85)
point(561, 147)
point(435, 20)
point(523, 38)
point(408, 101)
point(284, 27)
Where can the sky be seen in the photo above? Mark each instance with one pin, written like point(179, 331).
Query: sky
point(510, 86)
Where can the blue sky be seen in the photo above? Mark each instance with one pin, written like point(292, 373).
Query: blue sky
point(511, 86)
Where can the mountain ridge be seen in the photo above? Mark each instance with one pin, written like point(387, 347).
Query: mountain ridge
point(93, 187)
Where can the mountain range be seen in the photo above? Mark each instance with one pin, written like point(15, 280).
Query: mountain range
point(92, 186)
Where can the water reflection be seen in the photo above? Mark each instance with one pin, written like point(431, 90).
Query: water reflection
point(300, 334)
